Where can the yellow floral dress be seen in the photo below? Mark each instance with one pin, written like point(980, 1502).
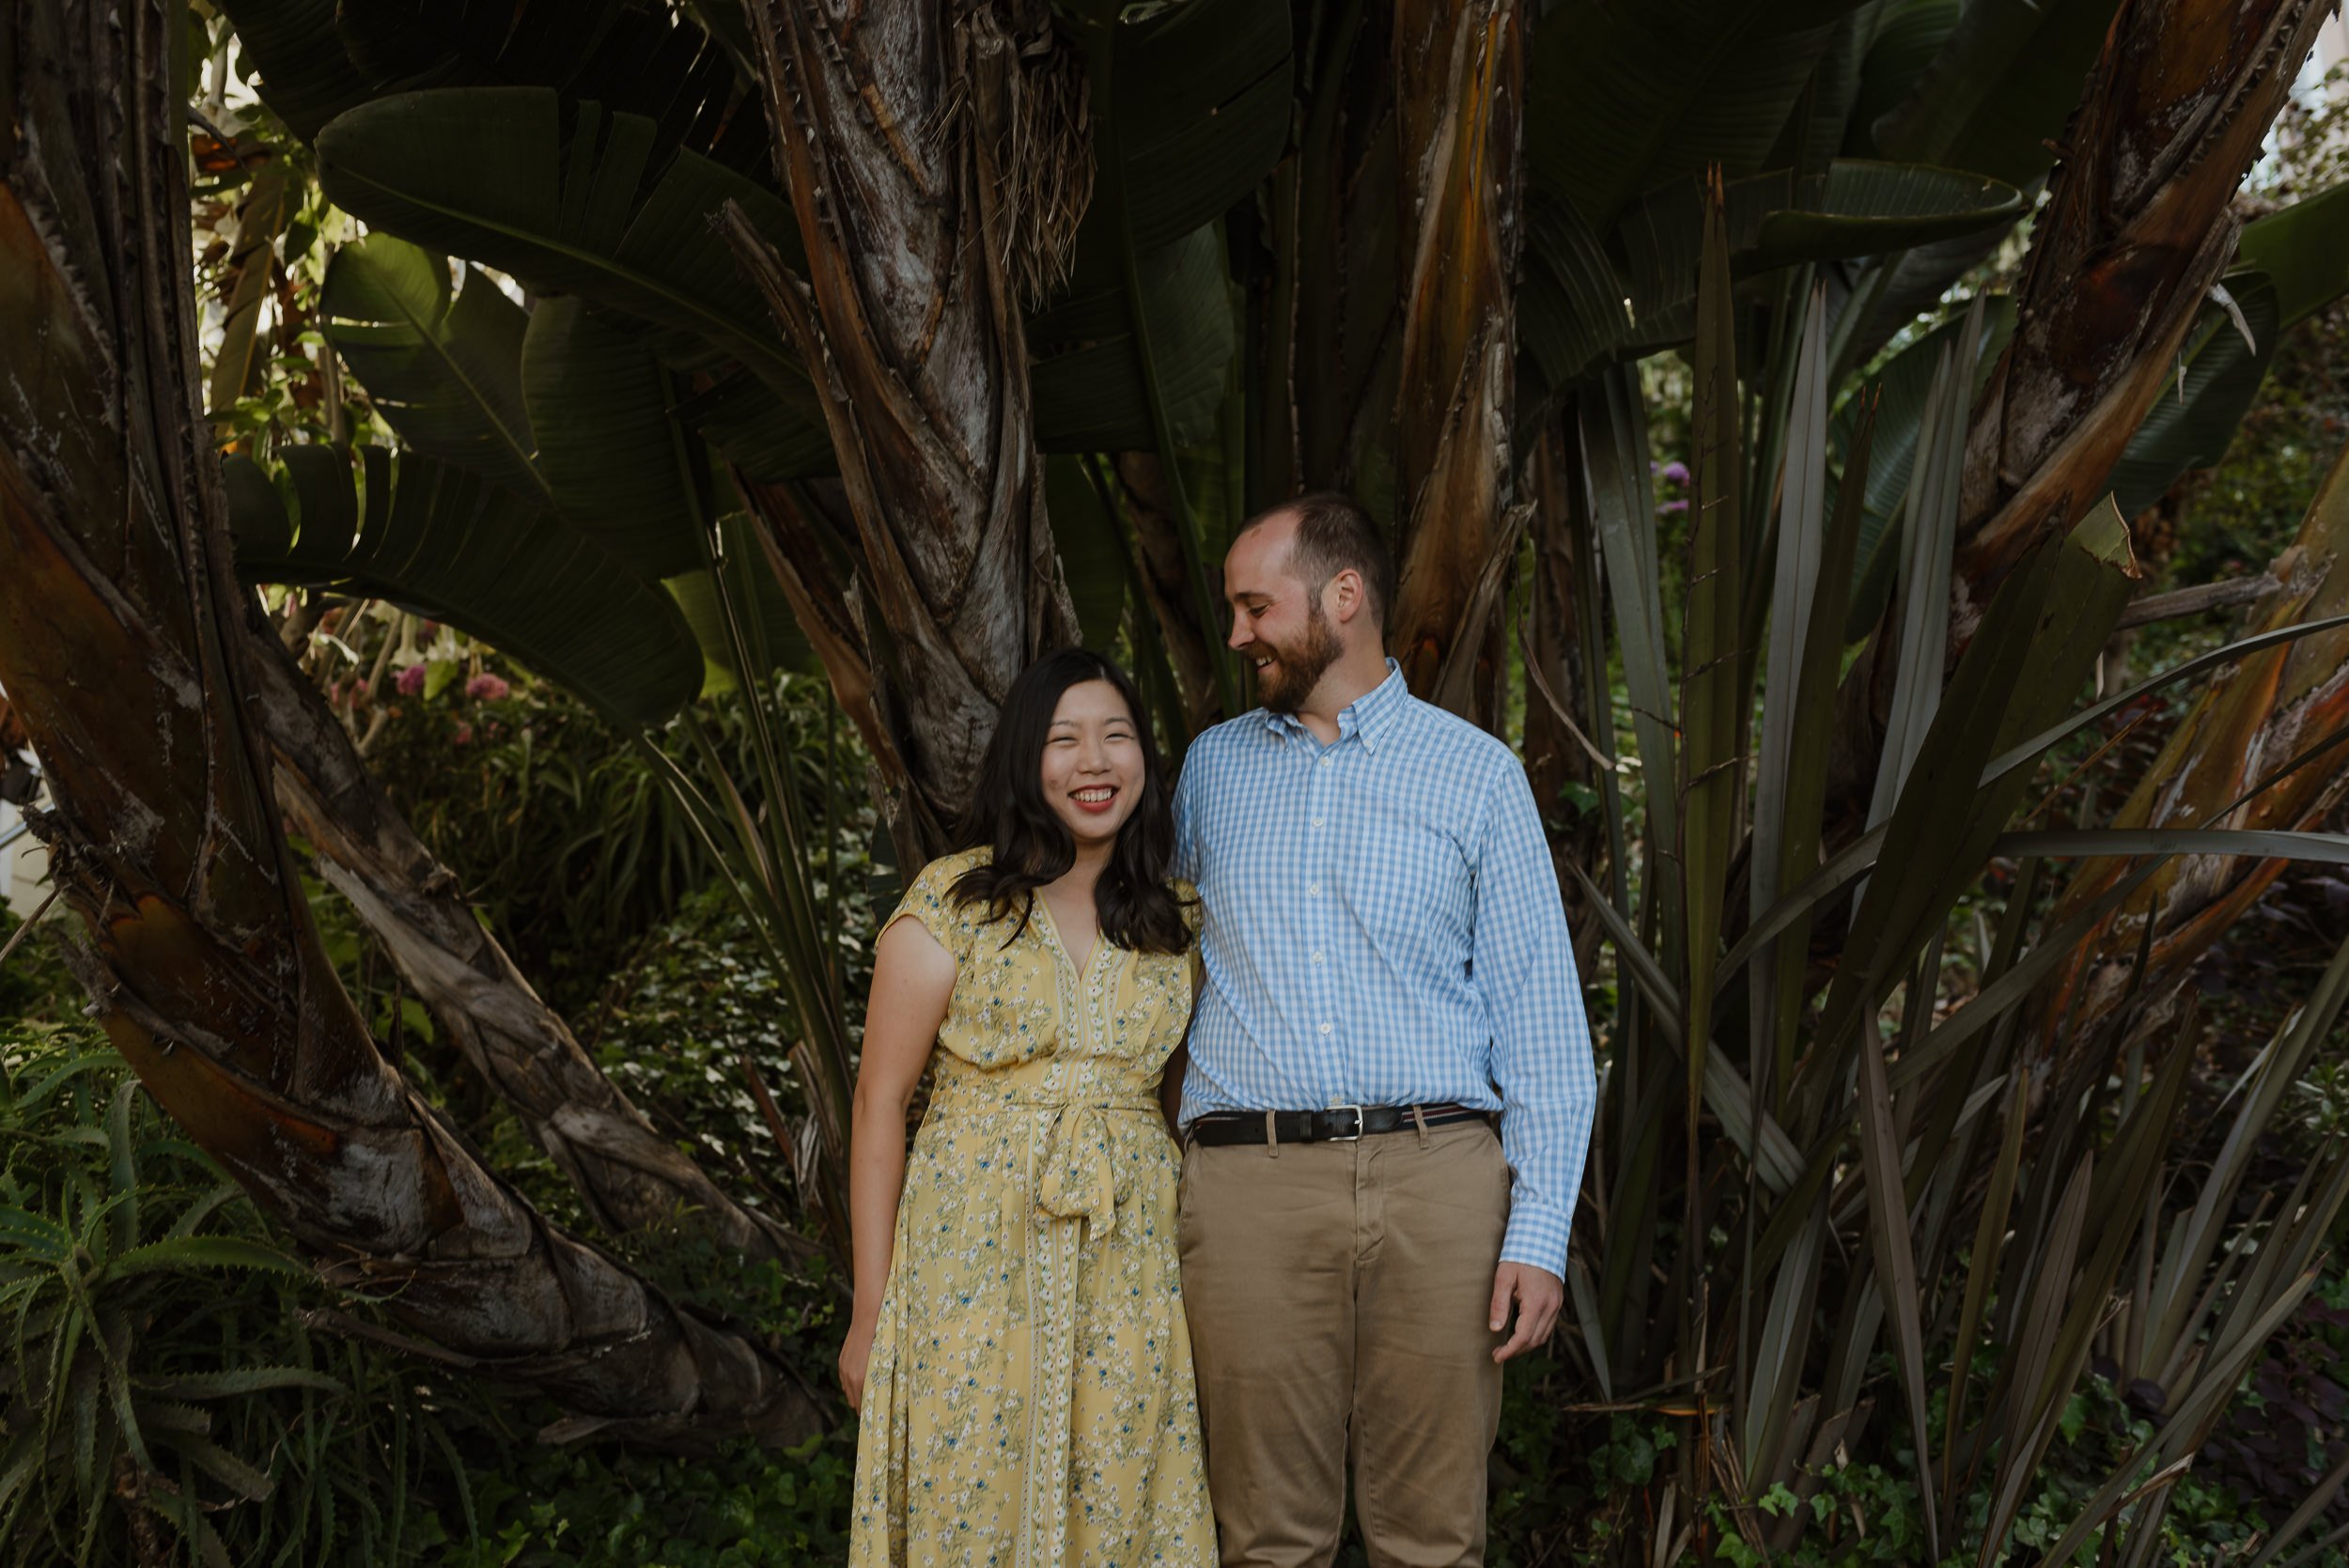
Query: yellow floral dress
point(1029, 1401)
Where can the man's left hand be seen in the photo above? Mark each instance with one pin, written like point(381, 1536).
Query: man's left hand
point(1538, 1294)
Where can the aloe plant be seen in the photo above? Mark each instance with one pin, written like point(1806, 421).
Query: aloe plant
point(92, 1253)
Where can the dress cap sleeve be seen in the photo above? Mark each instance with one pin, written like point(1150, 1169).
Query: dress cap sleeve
point(930, 900)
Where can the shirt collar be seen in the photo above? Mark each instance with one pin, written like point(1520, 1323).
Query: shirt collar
point(1371, 716)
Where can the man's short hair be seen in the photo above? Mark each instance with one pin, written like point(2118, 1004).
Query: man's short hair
point(1333, 534)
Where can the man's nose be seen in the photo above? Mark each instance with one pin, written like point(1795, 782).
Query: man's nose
point(1241, 636)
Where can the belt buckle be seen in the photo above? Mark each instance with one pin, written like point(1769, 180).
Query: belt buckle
point(1354, 1137)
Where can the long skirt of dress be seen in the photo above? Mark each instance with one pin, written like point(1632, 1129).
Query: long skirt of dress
point(1029, 1403)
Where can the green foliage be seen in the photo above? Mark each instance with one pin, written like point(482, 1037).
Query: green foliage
point(564, 829)
point(35, 987)
point(601, 1508)
point(159, 1380)
point(173, 1388)
point(696, 996)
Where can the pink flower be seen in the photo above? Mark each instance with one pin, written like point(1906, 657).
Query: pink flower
point(487, 688)
point(464, 733)
point(409, 680)
point(1680, 505)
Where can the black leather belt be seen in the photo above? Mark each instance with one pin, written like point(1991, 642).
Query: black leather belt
point(1338, 1124)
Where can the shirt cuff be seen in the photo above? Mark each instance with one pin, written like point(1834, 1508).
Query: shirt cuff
point(1537, 1235)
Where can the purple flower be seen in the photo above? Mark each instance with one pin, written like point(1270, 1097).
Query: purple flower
point(1674, 473)
point(1681, 505)
point(487, 688)
point(409, 680)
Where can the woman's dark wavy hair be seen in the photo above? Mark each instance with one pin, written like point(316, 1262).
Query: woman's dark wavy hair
point(1009, 814)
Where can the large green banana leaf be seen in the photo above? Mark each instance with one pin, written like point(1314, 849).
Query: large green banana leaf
point(772, 434)
point(1092, 553)
point(2000, 88)
point(1905, 37)
point(1098, 386)
point(1622, 98)
point(570, 198)
point(2219, 372)
point(317, 58)
point(1994, 98)
point(616, 469)
point(1573, 312)
point(2304, 250)
point(630, 55)
point(438, 540)
point(619, 468)
point(306, 77)
point(441, 365)
point(1191, 110)
point(573, 200)
point(771, 635)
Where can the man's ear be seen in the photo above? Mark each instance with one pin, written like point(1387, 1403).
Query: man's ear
point(1347, 595)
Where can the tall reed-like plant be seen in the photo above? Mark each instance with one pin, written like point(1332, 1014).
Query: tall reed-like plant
point(1803, 1165)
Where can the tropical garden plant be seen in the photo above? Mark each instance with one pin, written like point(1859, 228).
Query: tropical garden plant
point(695, 342)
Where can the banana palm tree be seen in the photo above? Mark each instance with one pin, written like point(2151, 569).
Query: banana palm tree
point(907, 356)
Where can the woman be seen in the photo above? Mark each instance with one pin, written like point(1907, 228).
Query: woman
point(1018, 1347)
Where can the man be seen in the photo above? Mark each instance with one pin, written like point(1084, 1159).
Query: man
point(1388, 974)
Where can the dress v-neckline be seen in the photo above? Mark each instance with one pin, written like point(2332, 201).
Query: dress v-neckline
point(1051, 925)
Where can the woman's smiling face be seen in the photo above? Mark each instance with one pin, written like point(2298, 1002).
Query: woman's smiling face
point(1092, 764)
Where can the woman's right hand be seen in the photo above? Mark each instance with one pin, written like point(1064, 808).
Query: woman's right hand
point(855, 1352)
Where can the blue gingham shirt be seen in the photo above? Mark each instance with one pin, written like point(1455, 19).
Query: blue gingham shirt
point(1383, 927)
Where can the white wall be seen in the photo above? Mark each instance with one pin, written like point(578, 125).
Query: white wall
point(23, 864)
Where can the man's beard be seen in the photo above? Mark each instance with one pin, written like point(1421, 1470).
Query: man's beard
point(1295, 671)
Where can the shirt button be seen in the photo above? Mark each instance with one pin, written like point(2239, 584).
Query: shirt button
point(1317, 957)
point(1325, 762)
point(1313, 890)
point(1324, 1029)
point(1316, 822)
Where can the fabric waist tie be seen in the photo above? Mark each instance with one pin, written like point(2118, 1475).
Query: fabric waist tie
point(1073, 1172)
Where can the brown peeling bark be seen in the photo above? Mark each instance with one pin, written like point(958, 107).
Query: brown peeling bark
point(121, 637)
point(888, 127)
point(627, 1175)
point(2135, 232)
point(2240, 735)
point(1460, 73)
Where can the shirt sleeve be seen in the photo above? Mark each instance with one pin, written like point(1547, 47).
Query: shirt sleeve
point(1186, 866)
point(1522, 964)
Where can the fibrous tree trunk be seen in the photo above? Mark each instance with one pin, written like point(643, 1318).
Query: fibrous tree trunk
point(627, 1175)
point(893, 133)
point(2230, 763)
point(2135, 232)
point(122, 647)
point(1460, 79)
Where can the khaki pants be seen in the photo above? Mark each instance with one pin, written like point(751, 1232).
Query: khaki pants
point(1338, 1295)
